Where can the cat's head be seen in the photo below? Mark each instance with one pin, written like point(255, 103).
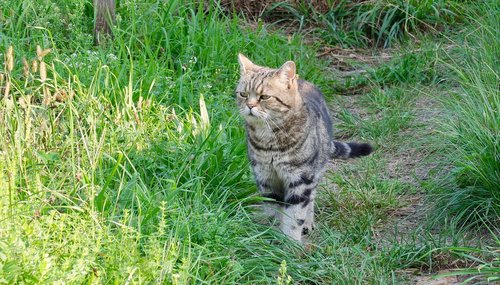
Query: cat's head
point(266, 94)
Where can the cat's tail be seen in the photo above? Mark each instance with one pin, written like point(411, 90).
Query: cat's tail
point(349, 150)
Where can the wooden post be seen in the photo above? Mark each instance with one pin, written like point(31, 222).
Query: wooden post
point(104, 17)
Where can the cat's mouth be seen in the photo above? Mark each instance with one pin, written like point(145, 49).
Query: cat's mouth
point(256, 114)
point(251, 112)
point(253, 115)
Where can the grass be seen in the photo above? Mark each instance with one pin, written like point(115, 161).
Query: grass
point(126, 163)
point(350, 23)
point(130, 153)
point(472, 127)
point(116, 142)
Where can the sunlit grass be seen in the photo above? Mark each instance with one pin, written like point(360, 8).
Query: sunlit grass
point(126, 163)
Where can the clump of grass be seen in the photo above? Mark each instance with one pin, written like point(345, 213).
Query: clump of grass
point(389, 20)
point(47, 22)
point(474, 126)
point(367, 23)
point(388, 114)
point(408, 67)
point(487, 268)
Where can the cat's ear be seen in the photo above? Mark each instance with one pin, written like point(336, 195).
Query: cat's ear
point(245, 64)
point(286, 73)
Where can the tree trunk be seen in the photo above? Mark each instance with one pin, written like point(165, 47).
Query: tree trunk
point(104, 16)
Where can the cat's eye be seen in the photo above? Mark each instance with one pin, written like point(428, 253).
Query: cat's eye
point(265, 97)
point(243, 94)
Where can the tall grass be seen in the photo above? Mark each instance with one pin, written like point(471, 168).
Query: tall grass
point(474, 125)
point(352, 23)
point(387, 21)
point(126, 163)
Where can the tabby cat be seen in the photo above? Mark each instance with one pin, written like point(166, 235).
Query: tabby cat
point(289, 138)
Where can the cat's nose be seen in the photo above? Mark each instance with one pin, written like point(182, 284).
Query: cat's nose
point(251, 103)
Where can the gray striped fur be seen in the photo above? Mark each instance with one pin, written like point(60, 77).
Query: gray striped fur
point(289, 136)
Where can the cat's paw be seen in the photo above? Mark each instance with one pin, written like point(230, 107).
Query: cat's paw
point(307, 229)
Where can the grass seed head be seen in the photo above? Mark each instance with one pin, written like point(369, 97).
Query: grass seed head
point(41, 53)
point(139, 104)
point(24, 102)
point(10, 51)
point(43, 71)
point(34, 66)
point(10, 58)
point(7, 89)
point(47, 98)
point(205, 119)
point(26, 67)
point(38, 51)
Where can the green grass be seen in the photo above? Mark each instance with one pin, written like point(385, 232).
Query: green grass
point(351, 23)
point(126, 163)
point(387, 114)
point(114, 172)
point(473, 125)
point(126, 176)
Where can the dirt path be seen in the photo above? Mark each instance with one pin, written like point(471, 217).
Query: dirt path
point(408, 163)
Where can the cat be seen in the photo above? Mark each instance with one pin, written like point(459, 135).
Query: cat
point(289, 141)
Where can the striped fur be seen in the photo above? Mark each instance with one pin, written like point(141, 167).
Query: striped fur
point(289, 136)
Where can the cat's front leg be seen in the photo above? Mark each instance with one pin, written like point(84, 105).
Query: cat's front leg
point(297, 213)
point(269, 187)
point(292, 221)
point(309, 221)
